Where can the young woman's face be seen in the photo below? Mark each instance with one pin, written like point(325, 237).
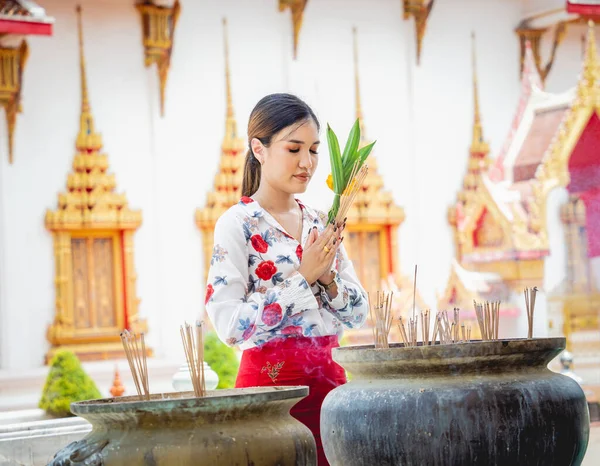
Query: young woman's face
point(291, 159)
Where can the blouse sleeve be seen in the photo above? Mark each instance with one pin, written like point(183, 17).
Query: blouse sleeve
point(351, 305)
point(238, 312)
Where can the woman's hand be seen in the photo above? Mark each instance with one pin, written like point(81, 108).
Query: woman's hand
point(319, 253)
point(328, 276)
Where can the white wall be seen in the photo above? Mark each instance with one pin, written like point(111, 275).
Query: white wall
point(421, 118)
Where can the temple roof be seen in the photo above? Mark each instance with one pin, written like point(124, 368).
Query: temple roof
point(543, 127)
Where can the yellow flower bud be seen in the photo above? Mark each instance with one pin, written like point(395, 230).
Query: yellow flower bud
point(330, 181)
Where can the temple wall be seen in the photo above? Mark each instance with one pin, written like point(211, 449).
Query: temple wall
point(421, 116)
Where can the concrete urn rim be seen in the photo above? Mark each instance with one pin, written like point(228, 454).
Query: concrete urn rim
point(215, 401)
point(473, 357)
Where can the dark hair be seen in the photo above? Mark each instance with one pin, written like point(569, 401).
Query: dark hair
point(270, 115)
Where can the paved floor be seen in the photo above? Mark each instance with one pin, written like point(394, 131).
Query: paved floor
point(592, 456)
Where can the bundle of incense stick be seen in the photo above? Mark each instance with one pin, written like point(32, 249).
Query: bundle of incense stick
point(136, 356)
point(448, 332)
point(410, 337)
point(530, 304)
point(488, 318)
point(193, 345)
point(357, 178)
point(381, 315)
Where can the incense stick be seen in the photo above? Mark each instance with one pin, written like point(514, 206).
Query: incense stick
point(193, 345)
point(381, 314)
point(137, 361)
point(530, 305)
point(414, 291)
point(357, 178)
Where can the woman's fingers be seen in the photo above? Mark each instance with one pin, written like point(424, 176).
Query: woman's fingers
point(312, 237)
point(326, 237)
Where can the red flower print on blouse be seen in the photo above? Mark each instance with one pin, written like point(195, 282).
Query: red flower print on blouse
point(266, 270)
point(209, 292)
point(272, 314)
point(259, 244)
point(246, 200)
point(292, 330)
point(299, 251)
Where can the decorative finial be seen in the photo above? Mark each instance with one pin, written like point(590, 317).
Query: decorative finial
point(359, 114)
point(85, 103)
point(117, 388)
point(230, 123)
point(478, 145)
point(230, 112)
point(87, 139)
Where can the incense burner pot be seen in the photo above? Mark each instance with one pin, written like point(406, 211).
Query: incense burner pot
point(227, 427)
point(478, 403)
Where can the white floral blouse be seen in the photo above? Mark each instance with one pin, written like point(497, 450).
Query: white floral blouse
point(254, 292)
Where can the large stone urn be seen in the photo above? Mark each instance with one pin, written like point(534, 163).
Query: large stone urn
point(248, 426)
point(479, 403)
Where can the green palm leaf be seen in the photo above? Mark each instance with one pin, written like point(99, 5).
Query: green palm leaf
point(335, 158)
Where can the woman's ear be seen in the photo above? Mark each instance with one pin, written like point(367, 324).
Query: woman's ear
point(258, 149)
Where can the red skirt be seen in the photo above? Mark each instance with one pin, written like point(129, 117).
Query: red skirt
point(296, 361)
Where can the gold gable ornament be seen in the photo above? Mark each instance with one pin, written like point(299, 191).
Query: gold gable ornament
point(297, 8)
point(92, 229)
point(228, 180)
point(158, 28)
point(420, 11)
point(12, 64)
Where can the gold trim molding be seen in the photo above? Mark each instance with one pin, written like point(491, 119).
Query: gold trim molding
point(12, 65)
point(158, 29)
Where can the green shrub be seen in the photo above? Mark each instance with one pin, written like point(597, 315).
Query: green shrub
point(222, 359)
point(66, 383)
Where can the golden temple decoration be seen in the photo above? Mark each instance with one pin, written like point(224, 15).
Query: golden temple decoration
point(420, 11)
point(297, 8)
point(577, 299)
point(372, 232)
point(553, 171)
point(490, 228)
point(373, 218)
point(12, 64)
point(93, 231)
point(228, 180)
point(479, 147)
point(158, 27)
point(464, 287)
point(534, 28)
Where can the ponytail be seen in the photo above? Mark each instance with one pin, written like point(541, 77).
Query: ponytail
point(251, 179)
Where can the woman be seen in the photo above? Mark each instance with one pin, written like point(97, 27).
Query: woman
point(280, 283)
